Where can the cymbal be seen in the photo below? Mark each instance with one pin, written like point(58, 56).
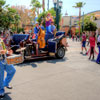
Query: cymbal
point(21, 49)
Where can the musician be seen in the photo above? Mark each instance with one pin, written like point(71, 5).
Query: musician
point(51, 28)
point(36, 29)
point(41, 26)
point(5, 67)
point(48, 21)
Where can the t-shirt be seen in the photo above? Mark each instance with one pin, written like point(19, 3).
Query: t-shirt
point(83, 37)
point(92, 41)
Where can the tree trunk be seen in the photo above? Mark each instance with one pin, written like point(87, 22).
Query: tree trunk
point(43, 4)
point(79, 20)
point(38, 11)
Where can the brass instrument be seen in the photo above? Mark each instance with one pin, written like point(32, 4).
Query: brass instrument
point(55, 31)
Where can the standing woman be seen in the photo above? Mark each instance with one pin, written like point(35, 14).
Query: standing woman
point(98, 43)
point(92, 40)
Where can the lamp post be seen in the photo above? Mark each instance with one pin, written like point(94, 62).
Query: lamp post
point(57, 8)
point(48, 4)
point(70, 25)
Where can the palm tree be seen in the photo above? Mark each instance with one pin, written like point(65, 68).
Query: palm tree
point(36, 5)
point(43, 4)
point(79, 5)
point(33, 1)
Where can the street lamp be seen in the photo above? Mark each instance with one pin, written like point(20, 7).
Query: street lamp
point(55, 4)
point(57, 7)
point(55, 1)
point(70, 25)
point(60, 4)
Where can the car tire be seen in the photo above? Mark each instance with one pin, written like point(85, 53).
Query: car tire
point(60, 53)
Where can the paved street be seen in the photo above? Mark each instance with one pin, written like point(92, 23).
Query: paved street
point(71, 78)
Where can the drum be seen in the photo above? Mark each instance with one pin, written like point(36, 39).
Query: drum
point(14, 59)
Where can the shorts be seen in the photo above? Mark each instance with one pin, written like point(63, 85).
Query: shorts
point(84, 44)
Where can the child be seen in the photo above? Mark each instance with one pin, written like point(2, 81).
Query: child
point(84, 42)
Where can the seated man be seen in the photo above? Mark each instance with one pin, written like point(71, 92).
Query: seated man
point(42, 27)
point(52, 28)
point(36, 30)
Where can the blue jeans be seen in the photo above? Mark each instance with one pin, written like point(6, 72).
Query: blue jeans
point(98, 58)
point(10, 73)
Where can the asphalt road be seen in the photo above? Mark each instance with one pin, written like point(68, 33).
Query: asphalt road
point(71, 78)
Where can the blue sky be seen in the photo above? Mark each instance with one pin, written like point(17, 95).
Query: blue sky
point(91, 5)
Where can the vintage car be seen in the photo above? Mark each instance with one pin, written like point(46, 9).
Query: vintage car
point(29, 48)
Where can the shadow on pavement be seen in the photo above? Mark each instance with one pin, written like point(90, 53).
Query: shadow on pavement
point(6, 97)
point(93, 60)
point(55, 60)
point(48, 60)
point(84, 54)
point(26, 64)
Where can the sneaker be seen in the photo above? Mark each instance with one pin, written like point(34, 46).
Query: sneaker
point(98, 62)
point(81, 52)
point(86, 53)
point(2, 95)
point(89, 58)
point(9, 87)
point(93, 59)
